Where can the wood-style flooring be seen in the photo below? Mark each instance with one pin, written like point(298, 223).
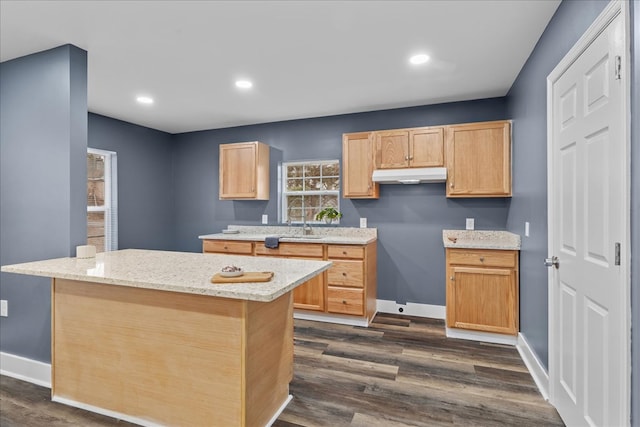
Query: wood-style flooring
point(401, 371)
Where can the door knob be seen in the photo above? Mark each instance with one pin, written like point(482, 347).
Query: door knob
point(552, 262)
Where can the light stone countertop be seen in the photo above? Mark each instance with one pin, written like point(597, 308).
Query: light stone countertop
point(332, 235)
point(480, 239)
point(183, 272)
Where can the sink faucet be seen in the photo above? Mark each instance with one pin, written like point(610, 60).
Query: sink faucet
point(306, 228)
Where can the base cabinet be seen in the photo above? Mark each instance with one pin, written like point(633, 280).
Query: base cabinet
point(482, 290)
point(348, 287)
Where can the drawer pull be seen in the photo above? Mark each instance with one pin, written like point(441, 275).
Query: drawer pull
point(481, 259)
point(225, 248)
point(344, 274)
point(344, 301)
point(344, 252)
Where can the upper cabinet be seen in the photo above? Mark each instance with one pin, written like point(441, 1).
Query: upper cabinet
point(357, 166)
point(244, 171)
point(410, 148)
point(478, 159)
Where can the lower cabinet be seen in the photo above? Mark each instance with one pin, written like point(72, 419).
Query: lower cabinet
point(482, 290)
point(348, 287)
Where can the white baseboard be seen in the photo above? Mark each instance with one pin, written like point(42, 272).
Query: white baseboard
point(279, 411)
point(25, 369)
point(331, 318)
point(412, 309)
point(466, 334)
point(107, 412)
point(535, 367)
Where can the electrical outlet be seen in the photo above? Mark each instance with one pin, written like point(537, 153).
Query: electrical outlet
point(265, 219)
point(470, 223)
point(363, 222)
point(526, 229)
point(4, 308)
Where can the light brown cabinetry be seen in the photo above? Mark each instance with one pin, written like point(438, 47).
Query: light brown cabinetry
point(310, 295)
point(244, 171)
point(410, 148)
point(482, 290)
point(358, 165)
point(478, 158)
point(347, 288)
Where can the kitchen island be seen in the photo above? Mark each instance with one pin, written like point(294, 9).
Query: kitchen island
point(146, 337)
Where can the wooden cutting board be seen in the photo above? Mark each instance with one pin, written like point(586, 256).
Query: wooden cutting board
point(248, 276)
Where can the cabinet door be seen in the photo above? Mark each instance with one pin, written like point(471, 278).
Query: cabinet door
point(426, 147)
point(483, 299)
point(244, 171)
point(392, 149)
point(357, 166)
point(310, 295)
point(479, 160)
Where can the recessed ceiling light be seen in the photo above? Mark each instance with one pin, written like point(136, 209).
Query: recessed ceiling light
point(144, 100)
point(419, 59)
point(243, 84)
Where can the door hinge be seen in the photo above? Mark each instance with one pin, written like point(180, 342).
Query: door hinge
point(617, 256)
point(618, 67)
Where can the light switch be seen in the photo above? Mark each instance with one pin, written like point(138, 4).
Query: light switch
point(526, 229)
point(363, 222)
point(470, 223)
point(265, 219)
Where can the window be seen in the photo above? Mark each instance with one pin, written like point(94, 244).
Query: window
point(307, 188)
point(102, 206)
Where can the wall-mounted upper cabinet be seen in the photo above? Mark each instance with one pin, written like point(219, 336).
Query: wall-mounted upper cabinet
point(244, 171)
point(478, 157)
point(357, 166)
point(410, 148)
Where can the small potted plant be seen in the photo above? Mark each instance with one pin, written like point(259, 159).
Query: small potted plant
point(328, 214)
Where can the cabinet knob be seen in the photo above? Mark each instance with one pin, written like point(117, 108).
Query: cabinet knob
point(452, 278)
point(225, 248)
point(481, 259)
point(451, 185)
point(344, 301)
point(410, 157)
point(344, 274)
point(406, 157)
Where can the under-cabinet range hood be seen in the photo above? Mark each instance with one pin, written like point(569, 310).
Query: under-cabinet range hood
point(409, 175)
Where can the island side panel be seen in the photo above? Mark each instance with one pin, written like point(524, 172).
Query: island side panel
point(269, 358)
point(166, 357)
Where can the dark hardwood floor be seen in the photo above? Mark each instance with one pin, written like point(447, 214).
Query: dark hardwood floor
point(401, 371)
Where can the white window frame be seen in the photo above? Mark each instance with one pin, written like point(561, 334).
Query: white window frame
point(110, 207)
point(282, 182)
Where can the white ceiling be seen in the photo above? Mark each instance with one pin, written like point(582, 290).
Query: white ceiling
point(306, 58)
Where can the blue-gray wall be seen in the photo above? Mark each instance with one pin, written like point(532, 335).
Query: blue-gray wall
point(43, 146)
point(526, 102)
point(145, 190)
point(409, 218)
point(635, 212)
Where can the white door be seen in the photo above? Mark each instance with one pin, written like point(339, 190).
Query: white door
point(588, 212)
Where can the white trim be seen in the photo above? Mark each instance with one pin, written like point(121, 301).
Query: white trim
point(279, 411)
point(610, 12)
point(331, 318)
point(465, 334)
point(412, 309)
point(106, 412)
point(533, 364)
point(24, 369)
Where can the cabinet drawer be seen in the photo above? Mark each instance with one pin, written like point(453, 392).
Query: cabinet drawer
point(346, 273)
point(291, 249)
point(345, 301)
point(228, 247)
point(496, 258)
point(345, 251)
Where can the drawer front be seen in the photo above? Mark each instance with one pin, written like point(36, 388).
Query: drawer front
point(345, 301)
point(485, 258)
point(346, 273)
point(228, 247)
point(291, 249)
point(345, 251)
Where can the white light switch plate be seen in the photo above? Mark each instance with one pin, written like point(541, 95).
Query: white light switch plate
point(265, 219)
point(526, 229)
point(470, 223)
point(4, 308)
point(363, 222)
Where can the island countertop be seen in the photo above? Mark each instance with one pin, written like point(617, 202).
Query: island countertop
point(182, 272)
